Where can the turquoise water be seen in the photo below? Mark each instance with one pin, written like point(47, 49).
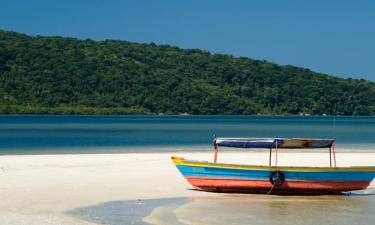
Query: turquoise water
point(235, 210)
point(46, 134)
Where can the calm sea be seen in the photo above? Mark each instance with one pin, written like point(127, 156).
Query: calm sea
point(77, 134)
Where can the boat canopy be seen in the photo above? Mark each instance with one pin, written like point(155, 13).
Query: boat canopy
point(273, 142)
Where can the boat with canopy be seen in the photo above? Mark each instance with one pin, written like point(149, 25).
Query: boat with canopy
point(274, 179)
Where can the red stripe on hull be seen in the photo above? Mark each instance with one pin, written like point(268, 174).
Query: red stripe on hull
point(288, 187)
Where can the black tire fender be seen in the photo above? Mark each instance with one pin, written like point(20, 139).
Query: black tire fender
point(277, 178)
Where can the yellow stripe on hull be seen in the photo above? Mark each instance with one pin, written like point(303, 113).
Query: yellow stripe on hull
point(184, 162)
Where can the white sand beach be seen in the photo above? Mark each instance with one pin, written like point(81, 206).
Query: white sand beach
point(38, 189)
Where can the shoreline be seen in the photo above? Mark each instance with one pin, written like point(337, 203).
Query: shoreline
point(188, 115)
point(43, 187)
point(201, 149)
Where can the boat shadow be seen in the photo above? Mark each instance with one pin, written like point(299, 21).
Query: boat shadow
point(368, 192)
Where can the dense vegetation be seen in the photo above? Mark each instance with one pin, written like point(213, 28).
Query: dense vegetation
point(70, 76)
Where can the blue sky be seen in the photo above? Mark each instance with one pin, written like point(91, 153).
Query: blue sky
point(330, 36)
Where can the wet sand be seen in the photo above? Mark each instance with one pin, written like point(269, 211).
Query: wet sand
point(236, 209)
point(45, 189)
point(275, 210)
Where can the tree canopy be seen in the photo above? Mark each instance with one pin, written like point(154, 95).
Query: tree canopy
point(61, 75)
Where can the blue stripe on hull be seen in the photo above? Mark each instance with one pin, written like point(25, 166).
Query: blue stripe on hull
point(194, 171)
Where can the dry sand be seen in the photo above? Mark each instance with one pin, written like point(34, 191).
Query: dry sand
point(38, 189)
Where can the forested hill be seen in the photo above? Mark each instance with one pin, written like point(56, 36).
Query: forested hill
point(70, 76)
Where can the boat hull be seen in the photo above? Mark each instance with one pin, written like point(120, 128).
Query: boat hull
point(258, 179)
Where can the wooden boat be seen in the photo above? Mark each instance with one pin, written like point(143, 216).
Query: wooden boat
point(274, 179)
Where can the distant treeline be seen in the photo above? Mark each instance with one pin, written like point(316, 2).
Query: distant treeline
point(58, 75)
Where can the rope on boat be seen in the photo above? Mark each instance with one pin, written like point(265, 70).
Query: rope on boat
point(269, 192)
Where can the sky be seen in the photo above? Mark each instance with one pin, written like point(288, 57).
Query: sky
point(329, 36)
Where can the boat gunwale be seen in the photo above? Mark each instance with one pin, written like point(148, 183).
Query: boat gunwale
point(195, 163)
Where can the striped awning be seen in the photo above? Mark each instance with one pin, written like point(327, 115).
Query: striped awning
point(273, 142)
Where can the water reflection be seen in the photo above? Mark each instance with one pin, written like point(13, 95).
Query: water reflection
point(236, 209)
point(277, 210)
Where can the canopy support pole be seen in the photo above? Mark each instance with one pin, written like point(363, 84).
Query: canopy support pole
point(330, 156)
point(270, 160)
point(216, 151)
point(334, 154)
point(277, 151)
